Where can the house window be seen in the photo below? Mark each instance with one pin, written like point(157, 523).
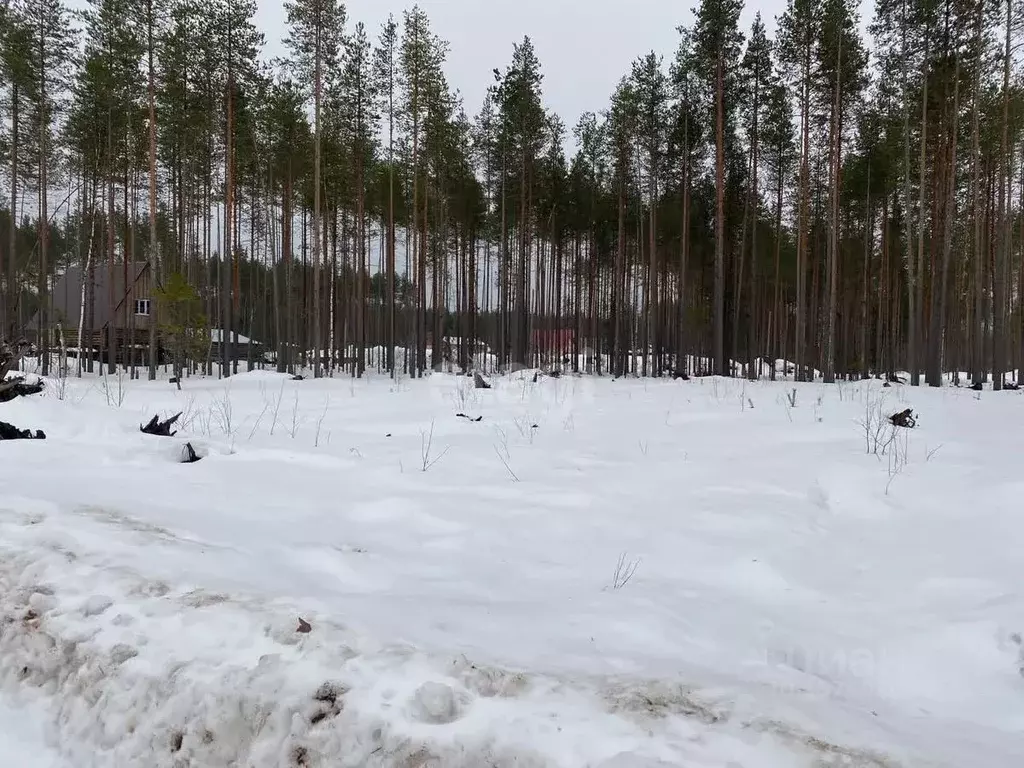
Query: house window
point(142, 307)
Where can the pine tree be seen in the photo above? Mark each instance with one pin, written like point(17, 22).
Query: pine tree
point(486, 148)
point(421, 56)
point(757, 73)
point(359, 122)
point(16, 76)
point(315, 29)
point(688, 141)
point(797, 32)
point(152, 19)
point(385, 77)
point(717, 46)
point(651, 88)
point(289, 139)
point(1004, 176)
point(841, 63)
point(777, 132)
point(110, 77)
point(52, 52)
point(239, 44)
point(622, 120)
point(523, 124)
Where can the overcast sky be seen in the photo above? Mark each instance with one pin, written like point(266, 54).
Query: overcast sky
point(584, 46)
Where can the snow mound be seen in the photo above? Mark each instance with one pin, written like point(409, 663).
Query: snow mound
point(165, 677)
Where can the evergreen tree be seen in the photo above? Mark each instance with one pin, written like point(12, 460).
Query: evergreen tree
point(239, 44)
point(385, 80)
point(17, 78)
point(841, 64)
point(421, 57)
point(717, 46)
point(289, 139)
point(776, 133)
point(757, 77)
point(359, 123)
point(51, 57)
point(650, 86)
point(688, 141)
point(523, 124)
point(797, 33)
point(622, 122)
point(315, 29)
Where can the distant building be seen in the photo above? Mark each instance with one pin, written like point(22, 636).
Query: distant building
point(120, 313)
point(558, 341)
point(236, 341)
point(121, 305)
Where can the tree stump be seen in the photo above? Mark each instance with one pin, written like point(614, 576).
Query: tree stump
point(904, 419)
point(11, 432)
point(189, 455)
point(160, 428)
point(18, 387)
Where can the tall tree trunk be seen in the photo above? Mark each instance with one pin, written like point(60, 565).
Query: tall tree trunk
point(865, 315)
point(940, 291)
point(391, 236)
point(618, 285)
point(977, 203)
point(755, 206)
point(317, 130)
point(12, 288)
point(228, 246)
point(803, 234)
point(835, 148)
point(1003, 222)
point(911, 274)
point(153, 266)
point(682, 354)
point(780, 319)
point(721, 364)
point(44, 223)
point(917, 270)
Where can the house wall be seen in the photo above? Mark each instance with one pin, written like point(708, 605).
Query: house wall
point(66, 299)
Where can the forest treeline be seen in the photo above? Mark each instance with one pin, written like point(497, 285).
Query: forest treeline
point(853, 210)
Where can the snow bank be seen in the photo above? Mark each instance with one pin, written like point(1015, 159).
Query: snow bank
point(23, 742)
point(159, 676)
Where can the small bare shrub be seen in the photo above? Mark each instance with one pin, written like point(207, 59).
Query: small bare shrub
point(625, 569)
point(427, 456)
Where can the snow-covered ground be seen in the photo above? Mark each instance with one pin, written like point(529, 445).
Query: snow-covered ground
point(596, 573)
point(23, 742)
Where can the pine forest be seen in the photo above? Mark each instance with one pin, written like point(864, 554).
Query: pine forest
point(852, 204)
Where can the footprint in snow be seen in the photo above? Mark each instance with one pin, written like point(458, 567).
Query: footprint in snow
point(437, 704)
point(630, 760)
point(121, 653)
point(96, 605)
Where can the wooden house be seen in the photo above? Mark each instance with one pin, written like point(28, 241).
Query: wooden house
point(118, 308)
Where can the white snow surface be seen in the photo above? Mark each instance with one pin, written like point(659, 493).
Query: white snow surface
point(23, 742)
point(794, 599)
